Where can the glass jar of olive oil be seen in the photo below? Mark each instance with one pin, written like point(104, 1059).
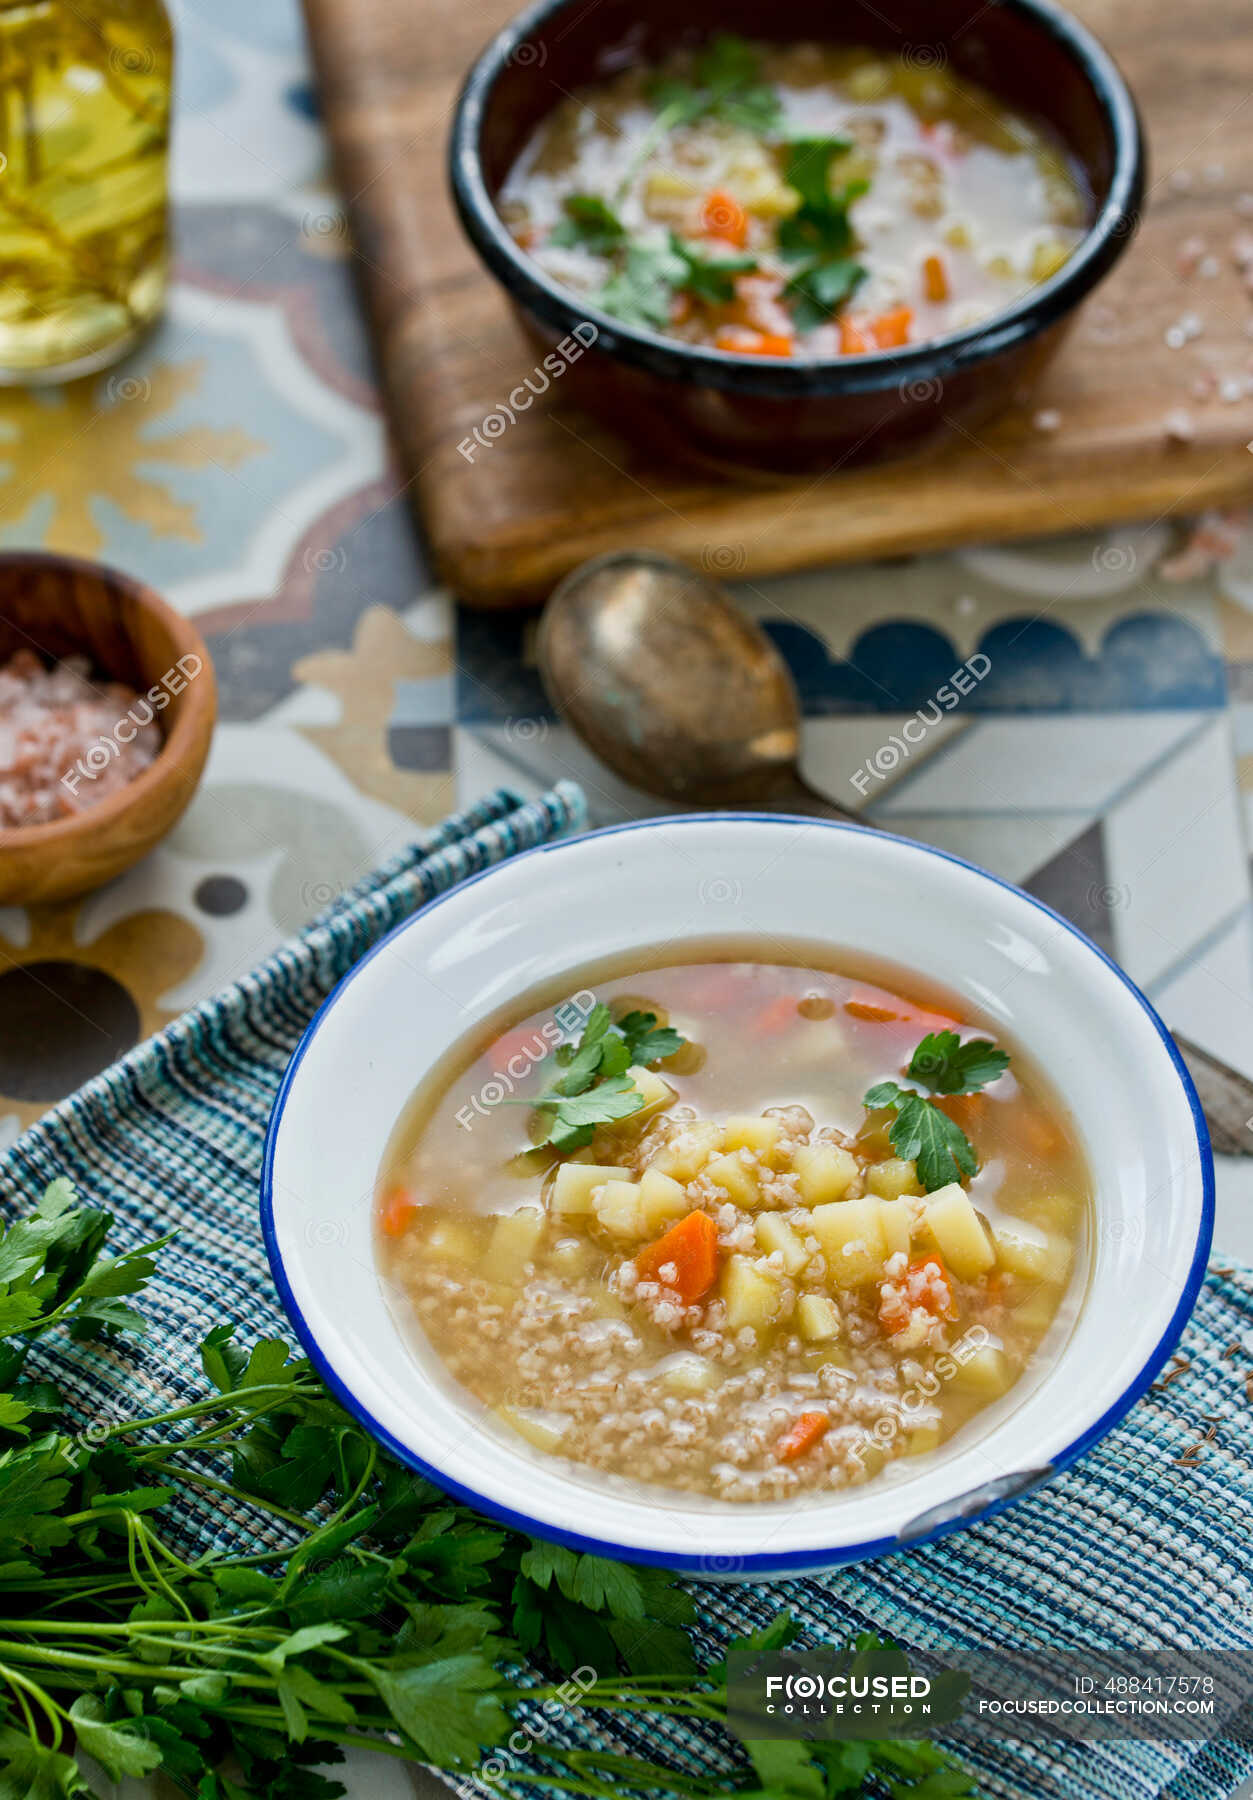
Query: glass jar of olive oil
point(84, 138)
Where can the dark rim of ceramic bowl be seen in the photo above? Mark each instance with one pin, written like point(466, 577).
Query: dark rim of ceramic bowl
point(1107, 237)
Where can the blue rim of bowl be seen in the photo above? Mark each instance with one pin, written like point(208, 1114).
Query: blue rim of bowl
point(560, 308)
point(766, 1563)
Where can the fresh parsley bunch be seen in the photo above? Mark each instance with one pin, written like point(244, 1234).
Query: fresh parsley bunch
point(382, 1616)
point(922, 1132)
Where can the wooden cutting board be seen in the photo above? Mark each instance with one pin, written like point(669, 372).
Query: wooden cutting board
point(559, 486)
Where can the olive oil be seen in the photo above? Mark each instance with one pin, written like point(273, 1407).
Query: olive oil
point(84, 138)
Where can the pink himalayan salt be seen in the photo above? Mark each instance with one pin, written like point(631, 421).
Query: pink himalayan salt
point(50, 719)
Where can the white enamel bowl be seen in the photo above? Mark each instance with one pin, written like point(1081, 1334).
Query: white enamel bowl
point(528, 922)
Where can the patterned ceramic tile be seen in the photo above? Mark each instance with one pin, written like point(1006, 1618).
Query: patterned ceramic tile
point(238, 462)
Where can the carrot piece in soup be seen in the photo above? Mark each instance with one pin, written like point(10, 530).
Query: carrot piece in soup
point(690, 1248)
point(934, 278)
point(801, 1435)
point(723, 217)
point(397, 1211)
point(866, 1006)
point(926, 1283)
point(752, 343)
point(853, 340)
point(1038, 1135)
point(891, 329)
point(775, 1016)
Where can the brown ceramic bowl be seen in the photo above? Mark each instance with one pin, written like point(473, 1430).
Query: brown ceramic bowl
point(774, 414)
point(58, 607)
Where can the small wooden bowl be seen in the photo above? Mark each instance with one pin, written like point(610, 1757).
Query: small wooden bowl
point(58, 607)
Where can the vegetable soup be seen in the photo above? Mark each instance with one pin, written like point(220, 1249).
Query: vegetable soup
point(745, 1228)
point(793, 201)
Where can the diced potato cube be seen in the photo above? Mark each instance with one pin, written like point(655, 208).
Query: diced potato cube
point(774, 1233)
point(893, 1177)
point(1047, 258)
point(898, 1225)
point(572, 1256)
point(871, 81)
point(668, 196)
point(453, 1240)
point(738, 1180)
point(1051, 1211)
point(572, 1185)
point(688, 1150)
point(687, 1373)
point(543, 1429)
point(759, 1135)
point(1035, 1313)
point(958, 235)
point(958, 1232)
point(851, 1235)
point(1033, 1255)
point(618, 1209)
point(657, 1093)
point(515, 1239)
point(824, 1172)
point(817, 1318)
point(663, 1200)
point(749, 1292)
point(985, 1371)
point(766, 197)
point(921, 1439)
point(668, 181)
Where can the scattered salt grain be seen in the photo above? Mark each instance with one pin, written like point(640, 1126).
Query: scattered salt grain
point(1178, 427)
point(1047, 419)
point(1184, 329)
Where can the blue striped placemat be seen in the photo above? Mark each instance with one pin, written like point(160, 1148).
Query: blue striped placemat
point(1131, 1551)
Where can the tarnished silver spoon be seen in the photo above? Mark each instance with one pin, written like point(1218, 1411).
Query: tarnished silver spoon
point(673, 687)
point(652, 665)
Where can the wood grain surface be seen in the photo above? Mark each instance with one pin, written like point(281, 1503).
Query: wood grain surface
point(559, 486)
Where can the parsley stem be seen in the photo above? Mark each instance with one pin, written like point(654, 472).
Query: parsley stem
point(224, 1487)
point(212, 1403)
point(22, 1686)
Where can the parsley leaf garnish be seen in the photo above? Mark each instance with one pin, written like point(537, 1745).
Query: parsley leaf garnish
point(725, 84)
point(709, 278)
point(925, 1136)
point(922, 1133)
point(641, 291)
point(594, 1086)
point(819, 234)
point(590, 224)
point(947, 1066)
